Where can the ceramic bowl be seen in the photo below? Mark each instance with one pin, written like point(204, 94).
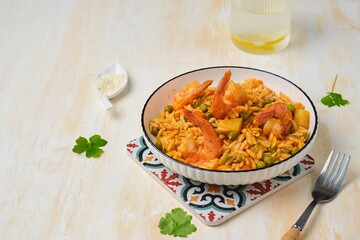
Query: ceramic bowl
point(165, 93)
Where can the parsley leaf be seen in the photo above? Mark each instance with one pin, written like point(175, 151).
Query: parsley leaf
point(333, 98)
point(96, 139)
point(80, 147)
point(177, 223)
point(91, 147)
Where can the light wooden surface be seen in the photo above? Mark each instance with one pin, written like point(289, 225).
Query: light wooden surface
point(50, 52)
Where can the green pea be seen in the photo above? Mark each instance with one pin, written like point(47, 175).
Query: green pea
point(256, 148)
point(244, 115)
point(169, 108)
point(294, 150)
point(307, 136)
point(267, 101)
point(268, 159)
point(221, 136)
point(285, 150)
point(208, 115)
point(154, 131)
point(224, 158)
point(260, 164)
point(158, 145)
point(203, 108)
point(232, 136)
point(238, 158)
point(197, 104)
point(271, 149)
point(291, 108)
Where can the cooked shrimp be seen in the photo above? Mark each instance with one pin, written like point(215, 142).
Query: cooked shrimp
point(212, 143)
point(187, 95)
point(276, 127)
point(277, 110)
point(277, 118)
point(227, 95)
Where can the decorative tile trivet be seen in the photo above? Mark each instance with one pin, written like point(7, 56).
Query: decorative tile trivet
point(212, 204)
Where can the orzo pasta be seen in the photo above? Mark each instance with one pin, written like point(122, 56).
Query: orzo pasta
point(232, 126)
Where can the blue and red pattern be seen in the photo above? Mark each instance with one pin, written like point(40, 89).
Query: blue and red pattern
point(212, 204)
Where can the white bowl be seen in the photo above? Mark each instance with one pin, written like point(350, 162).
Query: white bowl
point(164, 94)
point(115, 70)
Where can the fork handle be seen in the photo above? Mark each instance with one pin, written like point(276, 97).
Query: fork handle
point(294, 232)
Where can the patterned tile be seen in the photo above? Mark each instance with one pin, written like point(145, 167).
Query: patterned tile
point(212, 204)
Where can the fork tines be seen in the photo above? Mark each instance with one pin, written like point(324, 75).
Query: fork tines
point(333, 172)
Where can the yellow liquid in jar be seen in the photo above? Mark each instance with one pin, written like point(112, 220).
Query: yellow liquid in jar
point(260, 26)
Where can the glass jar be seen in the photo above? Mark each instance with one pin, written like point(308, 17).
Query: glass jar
point(260, 26)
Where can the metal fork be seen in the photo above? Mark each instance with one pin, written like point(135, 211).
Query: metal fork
point(325, 189)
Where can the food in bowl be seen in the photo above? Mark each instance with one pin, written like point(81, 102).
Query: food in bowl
point(236, 125)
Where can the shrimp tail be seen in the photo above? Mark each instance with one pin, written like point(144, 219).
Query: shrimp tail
point(263, 117)
point(278, 110)
point(219, 107)
point(188, 98)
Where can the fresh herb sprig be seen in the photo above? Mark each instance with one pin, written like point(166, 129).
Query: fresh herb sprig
point(91, 147)
point(334, 99)
point(177, 223)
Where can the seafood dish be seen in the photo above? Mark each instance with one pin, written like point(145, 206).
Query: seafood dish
point(235, 125)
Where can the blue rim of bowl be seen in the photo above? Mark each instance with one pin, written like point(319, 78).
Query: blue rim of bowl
point(311, 138)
